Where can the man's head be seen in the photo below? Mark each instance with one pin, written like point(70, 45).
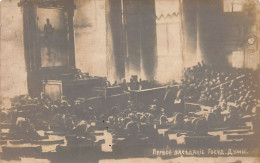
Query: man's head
point(48, 21)
point(179, 118)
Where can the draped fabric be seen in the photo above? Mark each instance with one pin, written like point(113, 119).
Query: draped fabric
point(148, 39)
point(32, 60)
point(212, 32)
point(204, 32)
point(131, 38)
point(190, 27)
point(132, 16)
point(115, 42)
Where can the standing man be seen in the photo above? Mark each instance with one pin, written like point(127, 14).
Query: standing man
point(174, 102)
point(48, 33)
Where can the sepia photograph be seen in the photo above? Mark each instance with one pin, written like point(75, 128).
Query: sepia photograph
point(129, 81)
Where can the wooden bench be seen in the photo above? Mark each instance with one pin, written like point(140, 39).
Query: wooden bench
point(38, 142)
point(22, 150)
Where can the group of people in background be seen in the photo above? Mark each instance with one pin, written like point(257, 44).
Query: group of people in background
point(233, 90)
point(133, 84)
point(218, 87)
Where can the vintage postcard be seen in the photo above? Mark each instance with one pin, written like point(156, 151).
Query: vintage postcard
point(129, 81)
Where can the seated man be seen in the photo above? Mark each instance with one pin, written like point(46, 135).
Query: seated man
point(132, 129)
point(3, 116)
point(154, 110)
point(24, 129)
point(163, 120)
point(232, 119)
point(22, 124)
point(178, 123)
point(256, 121)
point(169, 100)
point(143, 119)
point(115, 84)
point(111, 121)
point(179, 101)
point(69, 123)
point(108, 84)
point(124, 85)
point(132, 84)
point(81, 130)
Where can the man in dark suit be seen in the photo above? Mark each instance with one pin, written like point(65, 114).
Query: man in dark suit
point(179, 101)
point(174, 102)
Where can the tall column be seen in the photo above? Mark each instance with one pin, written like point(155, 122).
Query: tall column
point(70, 9)
point(115, 42)
point(148, 38)
point(31, 50)
point(132, 12)
point(212, 32)
point(190, 19)
point(131, 37)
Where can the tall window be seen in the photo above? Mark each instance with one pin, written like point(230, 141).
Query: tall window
point(237, 59)
point(233, 5)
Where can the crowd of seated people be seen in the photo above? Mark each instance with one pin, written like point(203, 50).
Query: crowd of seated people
point(76, 118)
point(137, 121)
point(234, 90)
point(79, 75)
point(24, 129)
point(133, 84)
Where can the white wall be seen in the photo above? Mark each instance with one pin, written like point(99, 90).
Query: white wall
point(90, 36)
point(169, 39)
point(13, 71)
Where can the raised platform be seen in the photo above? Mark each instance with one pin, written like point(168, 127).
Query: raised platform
point(81, 88)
